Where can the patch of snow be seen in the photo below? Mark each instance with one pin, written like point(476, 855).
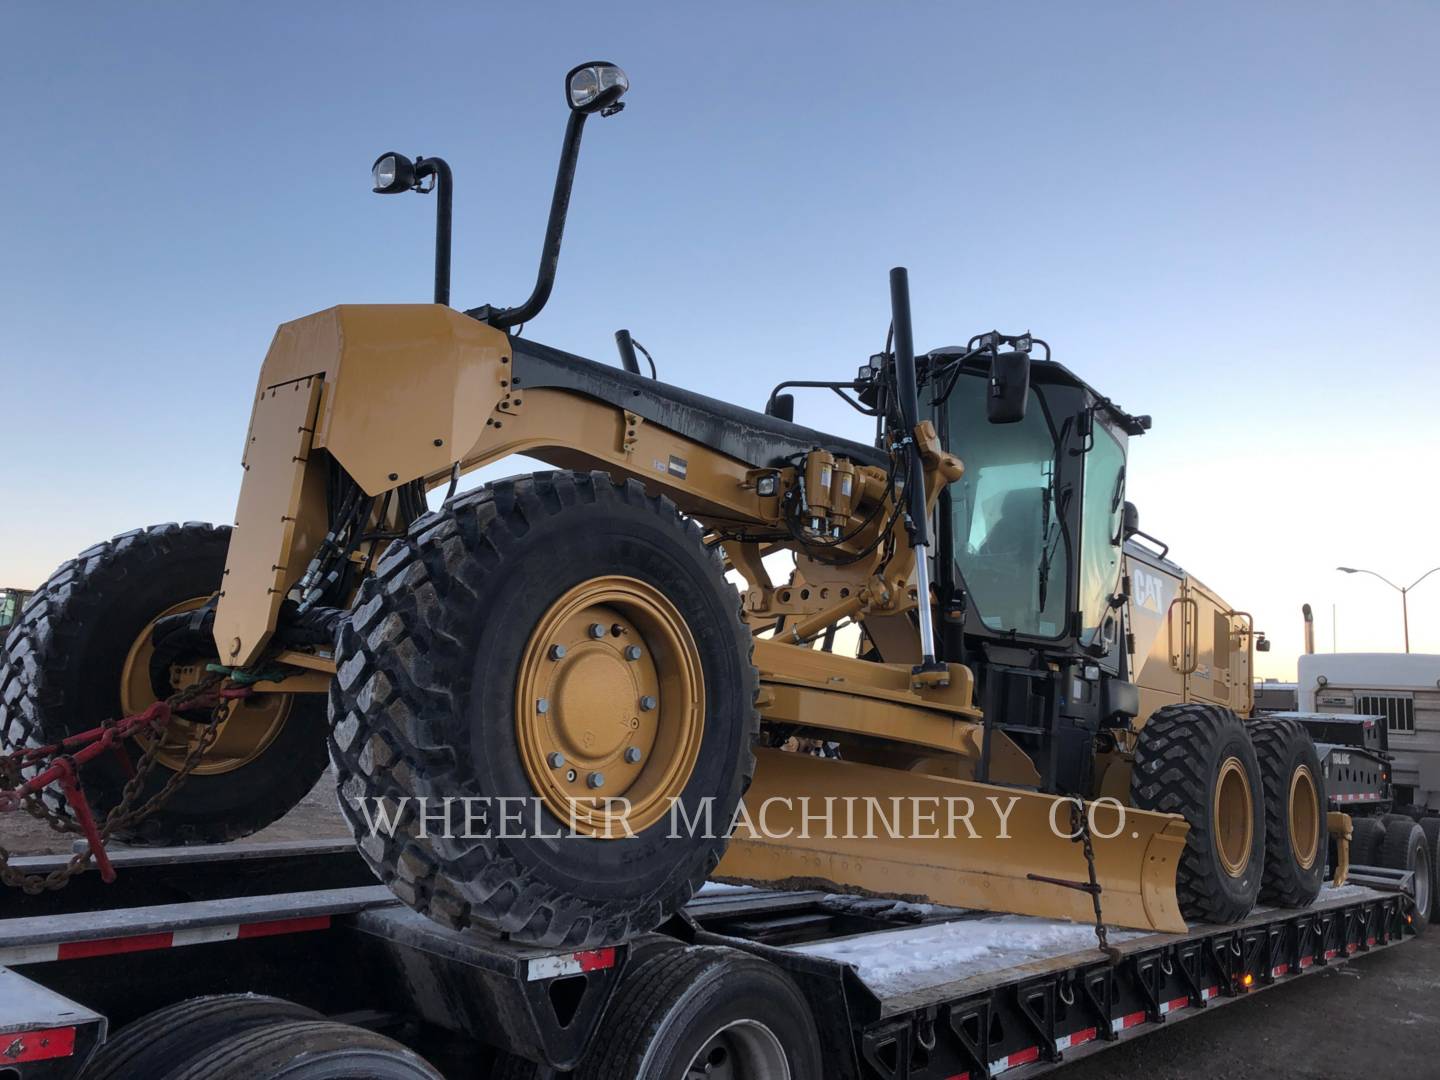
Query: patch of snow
point(899, 961)
point(720, 887)
point(1344, 892)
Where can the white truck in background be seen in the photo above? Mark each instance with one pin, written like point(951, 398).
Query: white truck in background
point(1403, 689)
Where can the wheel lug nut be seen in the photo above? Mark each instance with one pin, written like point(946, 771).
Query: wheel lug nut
point(647, 703)
point(632, 652)
point(597, 631)
point(557, 652)
point(556, 759)
point(542, 706)
point(595, 780)
point(633, 755)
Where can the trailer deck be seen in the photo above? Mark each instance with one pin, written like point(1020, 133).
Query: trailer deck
point(900, 991)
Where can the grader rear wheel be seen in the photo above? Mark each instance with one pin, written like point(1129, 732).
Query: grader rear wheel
point(84, 654)
point(1197, 761)
point(1295, 826)
point(535, 649)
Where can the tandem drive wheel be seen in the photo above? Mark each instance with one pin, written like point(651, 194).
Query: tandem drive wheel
point(1295, 825)
point(566, 643)
point(1197, 761)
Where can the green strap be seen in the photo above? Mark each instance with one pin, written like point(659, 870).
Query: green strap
point(246, 678)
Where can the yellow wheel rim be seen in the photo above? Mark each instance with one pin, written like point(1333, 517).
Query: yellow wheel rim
point(1304, 817)
point(1234, 817)
point(246, 731)
point(610, 706)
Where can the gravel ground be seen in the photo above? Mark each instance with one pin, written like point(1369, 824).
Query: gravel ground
point(1371, 1019)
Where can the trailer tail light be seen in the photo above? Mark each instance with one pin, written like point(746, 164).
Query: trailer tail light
point(42, 1045)
point(580, 963)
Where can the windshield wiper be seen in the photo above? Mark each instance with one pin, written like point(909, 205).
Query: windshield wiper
point(1048, 546)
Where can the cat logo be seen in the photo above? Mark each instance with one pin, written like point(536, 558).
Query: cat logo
point(1148, 589)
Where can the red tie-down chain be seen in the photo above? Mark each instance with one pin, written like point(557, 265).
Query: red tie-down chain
point(69, 755)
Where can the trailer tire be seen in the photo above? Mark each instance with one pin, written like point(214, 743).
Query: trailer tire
point(166, 1039)
point(1406, 848)
point(1430, 826)
point(1366, 836)
point(1295, 825)
point(70, 664)
point(307, 1050)
point(1197, 761)
point(427, 704)
point(677, 1005)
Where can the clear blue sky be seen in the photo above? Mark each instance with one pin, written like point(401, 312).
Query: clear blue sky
point(1222, 214)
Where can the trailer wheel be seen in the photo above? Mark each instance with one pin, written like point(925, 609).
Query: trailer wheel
point(1295, 825)
point(551, 641)
point(1367, 834)
point(1405, 848)
point(82, 654)
point(706, 1012)
point(165, 1039)
point(1430, 826)
point(307, 1050)
point(1197, 761)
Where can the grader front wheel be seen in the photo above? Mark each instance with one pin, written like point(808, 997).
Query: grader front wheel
point(610, 706)
point(535, 649)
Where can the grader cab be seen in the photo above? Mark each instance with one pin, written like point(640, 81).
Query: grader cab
point(12, 602)
point(544, 701)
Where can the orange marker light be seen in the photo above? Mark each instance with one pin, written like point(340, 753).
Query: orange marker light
point(1247, 980)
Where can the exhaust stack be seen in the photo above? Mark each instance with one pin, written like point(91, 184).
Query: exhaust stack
point(1309, 629)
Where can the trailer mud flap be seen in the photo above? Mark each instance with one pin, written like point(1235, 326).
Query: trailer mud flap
point(885, 832)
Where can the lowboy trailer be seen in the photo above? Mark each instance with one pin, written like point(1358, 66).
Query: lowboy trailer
point(734, 976)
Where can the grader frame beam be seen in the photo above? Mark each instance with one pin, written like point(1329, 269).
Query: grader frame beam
point(400, 393)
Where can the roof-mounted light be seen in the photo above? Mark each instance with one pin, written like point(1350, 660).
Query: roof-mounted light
point(392, 173)
point(596, 87)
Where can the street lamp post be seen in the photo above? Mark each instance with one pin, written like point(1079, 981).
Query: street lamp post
point(1403, 590)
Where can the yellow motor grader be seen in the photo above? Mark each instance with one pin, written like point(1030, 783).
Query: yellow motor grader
point(545, 700)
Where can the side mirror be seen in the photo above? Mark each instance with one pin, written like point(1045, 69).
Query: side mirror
point(1262, 643)
point(782, 407)
point(1009, 388)
point(1131, 520)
